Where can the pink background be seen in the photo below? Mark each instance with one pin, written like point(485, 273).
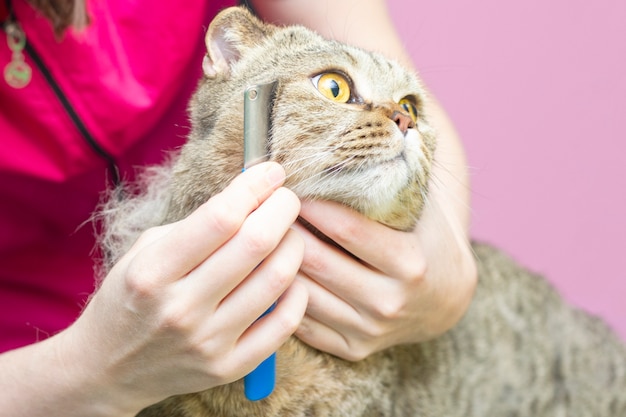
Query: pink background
point(537, 91)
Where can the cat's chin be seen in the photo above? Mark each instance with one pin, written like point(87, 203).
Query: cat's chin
point(389, 185)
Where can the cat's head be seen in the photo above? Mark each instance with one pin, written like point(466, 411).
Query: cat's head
point(347, 125)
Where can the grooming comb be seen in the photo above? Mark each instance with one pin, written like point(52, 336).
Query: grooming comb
point(258, 100)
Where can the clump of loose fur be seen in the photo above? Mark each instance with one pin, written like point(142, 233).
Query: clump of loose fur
point(130, 209)
point(520, 350)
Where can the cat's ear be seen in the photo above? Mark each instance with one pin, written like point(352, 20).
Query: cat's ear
point(231, 32)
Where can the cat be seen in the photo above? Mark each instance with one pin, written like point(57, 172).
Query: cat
point(350, 126)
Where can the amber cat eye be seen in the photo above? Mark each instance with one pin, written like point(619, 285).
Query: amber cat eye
point(408, 106)
point(333, 86)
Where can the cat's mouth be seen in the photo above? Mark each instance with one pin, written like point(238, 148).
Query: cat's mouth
point(400, 158)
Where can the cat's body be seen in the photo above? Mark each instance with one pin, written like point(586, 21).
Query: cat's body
point(519, 351)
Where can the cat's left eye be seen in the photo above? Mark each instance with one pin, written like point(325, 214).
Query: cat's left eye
point(333, 86)
point(409, 106)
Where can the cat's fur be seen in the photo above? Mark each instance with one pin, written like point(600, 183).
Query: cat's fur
point(519, 350)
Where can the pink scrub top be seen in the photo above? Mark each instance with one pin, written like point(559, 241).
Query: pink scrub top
point(100, 103)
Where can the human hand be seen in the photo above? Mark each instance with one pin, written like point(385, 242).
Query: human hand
point(397, 288)
point(178, 313)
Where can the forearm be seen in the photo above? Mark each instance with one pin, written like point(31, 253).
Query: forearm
point(363, 24)
point(450, 184)
point(47, 379)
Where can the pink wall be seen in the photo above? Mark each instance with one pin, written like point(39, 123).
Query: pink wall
point(537, 90)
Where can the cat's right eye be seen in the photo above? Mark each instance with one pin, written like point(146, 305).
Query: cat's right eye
point(333, 86)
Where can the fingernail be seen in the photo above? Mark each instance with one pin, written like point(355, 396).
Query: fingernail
point(275, 173)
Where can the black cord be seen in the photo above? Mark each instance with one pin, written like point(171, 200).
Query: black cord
point(69, 109)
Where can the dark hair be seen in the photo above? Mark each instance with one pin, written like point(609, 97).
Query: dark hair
point(62, 13)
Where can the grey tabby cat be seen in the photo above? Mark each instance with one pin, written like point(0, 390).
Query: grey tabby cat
point(349, 126)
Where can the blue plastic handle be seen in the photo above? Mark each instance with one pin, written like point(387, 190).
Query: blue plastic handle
point(260, 383)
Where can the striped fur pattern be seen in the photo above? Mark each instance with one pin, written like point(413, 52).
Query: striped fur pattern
point(519, 351)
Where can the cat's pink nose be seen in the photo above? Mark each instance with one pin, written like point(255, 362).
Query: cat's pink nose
point(403, 121)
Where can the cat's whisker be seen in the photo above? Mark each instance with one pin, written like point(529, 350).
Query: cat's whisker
point(307, 148)
point(301, 167)
point(321, 152)
point(313, 161)
point(333, 171)
point(444, 223)
point(437, 69)
point(440, 184)
point(449, 226)
point(449, 172)
point(297, 161)
point(336, 169)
